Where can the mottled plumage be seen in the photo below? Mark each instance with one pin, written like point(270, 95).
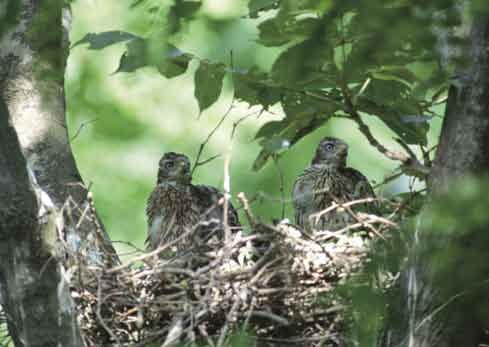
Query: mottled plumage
point(328, 179)
point(177, 206)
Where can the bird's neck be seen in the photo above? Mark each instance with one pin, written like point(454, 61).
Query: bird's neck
point(331, 166)
point(173, 182)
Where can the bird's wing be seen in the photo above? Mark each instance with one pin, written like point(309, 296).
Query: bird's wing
point(361, 187)
point(152, 208)
point(298, 198)
point(313, 191)
point(208, 198)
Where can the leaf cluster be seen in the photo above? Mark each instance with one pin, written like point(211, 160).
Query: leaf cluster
point(339, 59)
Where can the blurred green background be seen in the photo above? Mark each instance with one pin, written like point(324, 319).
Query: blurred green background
point(120, 124)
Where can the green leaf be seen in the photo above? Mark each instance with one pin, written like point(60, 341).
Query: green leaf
point(137, 3)
point(253, 87)
point(134, 57)
point(170, 61)
point(275, 144)
point(292, 130)
point(304, 114)
point(256, 6)
point(186, 9)
point(307, 62)
point(208, 84)
point(278, 31)
point(179, 12)
point(271, 128)
point(396, 95)
point(174, 63)
point(409, 132)
point(105, 39)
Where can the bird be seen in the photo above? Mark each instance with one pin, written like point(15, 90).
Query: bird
point(328, 180)
point(176, 207)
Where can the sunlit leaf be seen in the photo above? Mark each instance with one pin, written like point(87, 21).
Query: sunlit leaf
point(134, 57)
point(105, 39)
point(208, 84)
point(169, 60)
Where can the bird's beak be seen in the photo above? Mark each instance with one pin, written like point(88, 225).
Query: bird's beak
point(184, 165)
point(343, 149)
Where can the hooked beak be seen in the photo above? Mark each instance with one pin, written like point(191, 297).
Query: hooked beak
point(342, 150)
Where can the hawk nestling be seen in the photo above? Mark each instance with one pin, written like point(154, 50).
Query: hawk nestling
point(326, 180)
point(176, 206)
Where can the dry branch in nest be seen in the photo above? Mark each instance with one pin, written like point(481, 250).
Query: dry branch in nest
point(278, 283)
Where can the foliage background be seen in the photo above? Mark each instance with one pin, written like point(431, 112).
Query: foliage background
point(120, 124)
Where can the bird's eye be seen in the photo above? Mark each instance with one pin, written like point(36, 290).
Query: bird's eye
point(329, 147)
point(168, 165)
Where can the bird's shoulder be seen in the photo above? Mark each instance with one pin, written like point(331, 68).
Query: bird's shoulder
point(208, 199)
point(359, 182)
point(206, 195)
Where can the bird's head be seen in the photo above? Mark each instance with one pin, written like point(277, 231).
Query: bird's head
point(331, 151)
point(174, 167)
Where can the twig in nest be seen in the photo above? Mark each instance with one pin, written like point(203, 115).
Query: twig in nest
point(335, 205)
point(246, 208)
point(99, 314)
point(363, 222)
point(152, 253)
point(270, 316)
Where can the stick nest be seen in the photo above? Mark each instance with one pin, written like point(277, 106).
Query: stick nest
point(279, 283)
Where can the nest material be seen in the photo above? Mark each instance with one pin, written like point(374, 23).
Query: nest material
point(278, 283)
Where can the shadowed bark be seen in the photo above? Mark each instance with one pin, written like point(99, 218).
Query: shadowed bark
point(39, 180)
point(430, 318)
point(33, 52)
point(34, 293)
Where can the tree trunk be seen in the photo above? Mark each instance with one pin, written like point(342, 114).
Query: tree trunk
point(33, 53)
point(463, 150)
point(42, 196)
point(34, 292)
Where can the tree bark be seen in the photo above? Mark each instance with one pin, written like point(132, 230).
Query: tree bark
point(464, 141)
point(46, 219)
point(34, 291)
point(463, 151)
point(33, 53)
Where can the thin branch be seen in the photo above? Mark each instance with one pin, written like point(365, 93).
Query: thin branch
point(209, 136)
point(282, 183)
point(227, 189)
point(410, 162)
point(80, 128)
